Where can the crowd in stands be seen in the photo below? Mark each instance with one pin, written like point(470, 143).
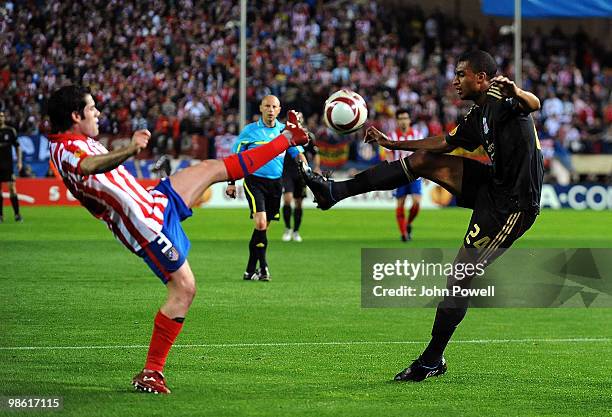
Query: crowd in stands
point(172, 65)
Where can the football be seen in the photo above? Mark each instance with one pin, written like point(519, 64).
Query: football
point(345, 112)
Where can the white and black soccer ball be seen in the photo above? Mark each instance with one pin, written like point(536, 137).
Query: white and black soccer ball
point(345, 112)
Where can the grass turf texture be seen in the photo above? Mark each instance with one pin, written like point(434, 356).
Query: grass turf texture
point(67, 282)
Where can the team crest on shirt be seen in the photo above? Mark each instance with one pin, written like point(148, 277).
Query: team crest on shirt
point(172, 254)
point(485, 126)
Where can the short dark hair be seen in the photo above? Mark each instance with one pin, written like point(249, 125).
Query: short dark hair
point(402, 110)
point(480, 61)
point(63, 103)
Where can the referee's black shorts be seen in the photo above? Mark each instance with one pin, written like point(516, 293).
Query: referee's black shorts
point(6, 173)
point(264, 194)
point(493, 227)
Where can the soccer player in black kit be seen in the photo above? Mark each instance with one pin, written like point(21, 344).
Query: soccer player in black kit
point(294, 189)
point(8, 140)
point(504, 196)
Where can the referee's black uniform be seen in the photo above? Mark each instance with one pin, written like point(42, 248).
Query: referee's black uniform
point(8, 141)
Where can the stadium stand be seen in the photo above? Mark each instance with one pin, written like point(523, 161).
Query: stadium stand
point(171, 66)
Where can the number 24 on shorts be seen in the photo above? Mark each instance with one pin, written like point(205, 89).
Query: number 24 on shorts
point(473, 234)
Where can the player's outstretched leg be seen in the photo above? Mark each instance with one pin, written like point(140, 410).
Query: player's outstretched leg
point(190, 183)
point(446, 170)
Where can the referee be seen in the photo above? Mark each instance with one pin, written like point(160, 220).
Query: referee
point(264, 187)
point(8, 140)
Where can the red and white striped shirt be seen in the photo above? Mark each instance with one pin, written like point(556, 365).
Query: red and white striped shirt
point(398, 135)
point(134, 215)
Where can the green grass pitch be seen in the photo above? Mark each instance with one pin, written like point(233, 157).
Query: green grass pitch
point(298, 345)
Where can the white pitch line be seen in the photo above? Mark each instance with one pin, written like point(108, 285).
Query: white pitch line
point(283, 344)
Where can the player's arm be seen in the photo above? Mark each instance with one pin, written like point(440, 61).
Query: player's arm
point(527, 101)
point(18, 152)
point(435, 144)
point(103, 163)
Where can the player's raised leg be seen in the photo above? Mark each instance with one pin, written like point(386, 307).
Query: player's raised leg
point(191, 182)
point(446, 170)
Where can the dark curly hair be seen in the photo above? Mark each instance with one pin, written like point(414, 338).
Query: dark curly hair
point(480, 61)
point(63, 103)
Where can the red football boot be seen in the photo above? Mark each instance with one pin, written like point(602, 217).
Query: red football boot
point(294, 131)
point(150, 381)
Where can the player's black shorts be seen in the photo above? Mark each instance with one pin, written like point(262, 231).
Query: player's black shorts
point(293, 183)
point(264, 194)
point(7, 175)
point(492, 228)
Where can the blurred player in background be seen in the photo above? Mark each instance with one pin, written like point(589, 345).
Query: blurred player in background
point(405, 131)
point(263, 188)
point(148, 223)
point(504, 196)
point(294, 188)
point(8, 141)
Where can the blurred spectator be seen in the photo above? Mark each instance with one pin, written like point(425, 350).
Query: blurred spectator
point(173, 66)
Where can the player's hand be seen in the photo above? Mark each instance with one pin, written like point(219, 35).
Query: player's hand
point(374, 135)
point(140, 139)
point(231, 191)
point(507, 87)
point(19, 166)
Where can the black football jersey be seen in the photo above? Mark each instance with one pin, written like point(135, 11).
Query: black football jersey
point(8, 140)
point(509, 138)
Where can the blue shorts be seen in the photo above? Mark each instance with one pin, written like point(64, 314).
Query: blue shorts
point(168, 252)
point(412, 188)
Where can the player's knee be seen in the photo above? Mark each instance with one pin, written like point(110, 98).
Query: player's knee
point(420, 160)
point(188, 293)
point(185, 289)
point(216, 169)
point(261, 224)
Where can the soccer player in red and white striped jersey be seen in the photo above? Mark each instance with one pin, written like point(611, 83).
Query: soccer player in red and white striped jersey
point(404, 132)
point(146, 222)
point(134, 215)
